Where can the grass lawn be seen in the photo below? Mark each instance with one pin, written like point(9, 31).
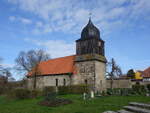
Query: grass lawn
point(79, 106)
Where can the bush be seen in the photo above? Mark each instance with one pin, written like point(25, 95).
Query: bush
point(139, 89)
point(79, 89)
point(126, 91)
point(120, 91)
point(104, 93)
point(35, 93)
point(49, 89)
point(114, 91)
point(23, 94)
point(148, 87)
point(109, 91)
point(50, 96)
point(74, 89)
point(2, 90)
point(64, 90)
point(135, 90)
point(19, 94)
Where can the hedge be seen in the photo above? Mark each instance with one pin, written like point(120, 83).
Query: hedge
point(73, 89)
point(120, 91)
point(139, 89)
point(23, 93)
point(135, 90)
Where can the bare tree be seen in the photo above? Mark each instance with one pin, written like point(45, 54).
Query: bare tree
point(5, 78)
point(115, 71)
point(7, 73)
point(2, 68)
point(28, 62)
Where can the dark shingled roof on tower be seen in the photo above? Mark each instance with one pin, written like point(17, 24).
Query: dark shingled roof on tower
point(90, 31)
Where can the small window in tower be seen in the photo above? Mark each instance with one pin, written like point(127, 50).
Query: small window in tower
point(99, 43)
point(64, 82)
point(56, 82)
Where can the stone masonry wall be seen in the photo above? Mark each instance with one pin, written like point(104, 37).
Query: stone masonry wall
point(92, 72)
point(43, 81)
point(84, 72)
point(100, 75)
point(124, 83)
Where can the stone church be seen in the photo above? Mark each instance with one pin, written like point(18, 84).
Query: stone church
point(87, 66)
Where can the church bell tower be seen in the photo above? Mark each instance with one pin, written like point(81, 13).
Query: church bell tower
point(90, 58)
point(90, 41)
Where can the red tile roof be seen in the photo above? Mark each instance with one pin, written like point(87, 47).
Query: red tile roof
point(61, 65)
point(146, 73)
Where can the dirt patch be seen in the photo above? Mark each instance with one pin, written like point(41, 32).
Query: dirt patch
point(55, 102)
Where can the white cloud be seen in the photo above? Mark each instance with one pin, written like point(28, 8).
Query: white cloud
point(42, 29)
point(25, 20)
point(69, 14)
point(81, 15)
point(56, 48)
point(8, 65)
point(20, 19)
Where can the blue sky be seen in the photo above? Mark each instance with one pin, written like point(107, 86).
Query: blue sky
point(54, 25)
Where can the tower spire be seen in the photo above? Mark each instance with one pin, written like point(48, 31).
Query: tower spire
point(90, 15)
